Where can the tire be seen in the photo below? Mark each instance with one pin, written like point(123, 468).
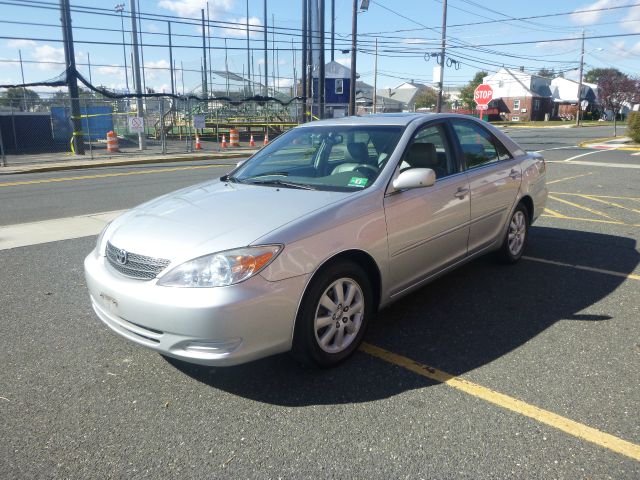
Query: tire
point(333, 316)
point(515, 240)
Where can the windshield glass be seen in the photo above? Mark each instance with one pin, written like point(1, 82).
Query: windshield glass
point(340, 158)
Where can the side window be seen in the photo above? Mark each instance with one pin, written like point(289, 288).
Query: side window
point(429, 149)
point(503, 153)
point(477, 144)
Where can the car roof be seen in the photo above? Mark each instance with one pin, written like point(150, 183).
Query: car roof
point(401, 119)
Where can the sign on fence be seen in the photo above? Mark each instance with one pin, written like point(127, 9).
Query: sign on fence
point(136, 124)
point(198, 121)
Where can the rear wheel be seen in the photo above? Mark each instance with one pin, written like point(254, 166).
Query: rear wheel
point(333, 316)
point(515, 240)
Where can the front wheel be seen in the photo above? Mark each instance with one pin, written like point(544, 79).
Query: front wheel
point(333, 316)
point(515, 240)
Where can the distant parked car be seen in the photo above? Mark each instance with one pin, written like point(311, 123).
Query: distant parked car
point(299, 246)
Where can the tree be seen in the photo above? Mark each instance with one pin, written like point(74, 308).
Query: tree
point(593, 75)
point(426, 98)
point(545, 72)
point(466, 93)
point(15, 97)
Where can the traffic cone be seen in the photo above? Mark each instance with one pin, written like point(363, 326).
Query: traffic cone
point(252, 142)
point(198, 144)
point(266, 137)
point(112, 142)
point(224, 142)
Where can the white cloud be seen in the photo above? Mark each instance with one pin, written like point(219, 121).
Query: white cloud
point(49, 57)
point(241, 29)
point(632, 20)
point(154, 69)
point(346, 61)
point(588, 18)
point(419, 41)
point(21, 43)
point(112, 71)
point(191, 8)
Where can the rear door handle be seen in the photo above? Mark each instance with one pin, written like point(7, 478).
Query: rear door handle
point(514, 174)
point(461, 192)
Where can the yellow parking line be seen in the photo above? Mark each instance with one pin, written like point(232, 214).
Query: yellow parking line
point(593, 220)
point(590, 210)
point(612, 204)
point(553, 213)
point(559, 422)
point(628, 276)
point(108, 175)
point(569, 178)
point(634, 199)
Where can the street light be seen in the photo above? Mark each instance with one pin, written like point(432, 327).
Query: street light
point(364, 6)
point(120, 9)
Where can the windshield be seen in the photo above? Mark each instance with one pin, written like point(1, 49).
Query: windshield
point(339, 158)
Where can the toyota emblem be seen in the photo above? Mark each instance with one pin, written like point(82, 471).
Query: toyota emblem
point(122, 257)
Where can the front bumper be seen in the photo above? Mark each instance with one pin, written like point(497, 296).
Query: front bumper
point(209, 326)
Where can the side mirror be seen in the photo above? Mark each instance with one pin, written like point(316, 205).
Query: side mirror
point(415, 178)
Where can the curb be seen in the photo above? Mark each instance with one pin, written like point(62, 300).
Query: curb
point(594, 142)
point(54, 167)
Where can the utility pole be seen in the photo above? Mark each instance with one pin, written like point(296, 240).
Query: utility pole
point(354, 44)
point(442, 51)
point(375, 79)
point(321, 73)
point(144, 78)
point(580, 83)
point(209, 49)
point(24, 89)
point(303, 74)
point(89, 65)
point(266, 54)
point(205, 92)
point(171, 65)
point(248, 54)
point(333, 29)
point(136, 69)
point(72, 79)
point(120, 8)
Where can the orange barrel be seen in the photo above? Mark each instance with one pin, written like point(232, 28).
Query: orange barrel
point(112, 142)
point(234, 138)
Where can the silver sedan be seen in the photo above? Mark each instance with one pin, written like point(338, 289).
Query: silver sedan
point(297, 248)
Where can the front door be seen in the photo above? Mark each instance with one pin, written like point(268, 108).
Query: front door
point(427, 227)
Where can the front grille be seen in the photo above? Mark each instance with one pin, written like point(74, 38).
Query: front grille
point(134, 265)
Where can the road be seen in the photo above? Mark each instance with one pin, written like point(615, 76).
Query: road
point(541, 359)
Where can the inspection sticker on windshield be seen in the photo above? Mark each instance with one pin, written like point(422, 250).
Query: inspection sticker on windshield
point(358, 182)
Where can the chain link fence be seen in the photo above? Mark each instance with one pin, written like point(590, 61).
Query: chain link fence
point(41, 130)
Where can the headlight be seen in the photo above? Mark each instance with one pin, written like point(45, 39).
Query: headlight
point(98, 251)
point(222, 268)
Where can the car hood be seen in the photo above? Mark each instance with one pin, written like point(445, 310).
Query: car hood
point(212, 217)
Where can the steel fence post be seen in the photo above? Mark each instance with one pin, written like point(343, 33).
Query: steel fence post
point(163, 140)
point(2, 155)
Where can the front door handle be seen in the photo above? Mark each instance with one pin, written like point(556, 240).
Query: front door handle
point(514, 174)
point(461, 192)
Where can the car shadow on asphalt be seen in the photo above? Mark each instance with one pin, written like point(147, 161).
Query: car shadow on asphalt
point(462, 321)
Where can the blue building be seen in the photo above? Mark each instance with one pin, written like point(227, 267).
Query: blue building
point(337, 81)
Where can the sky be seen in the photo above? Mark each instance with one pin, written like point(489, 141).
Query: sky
point(481, 35)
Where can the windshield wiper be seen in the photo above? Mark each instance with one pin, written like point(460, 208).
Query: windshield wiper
point(230, 178)
point(268, 174)
point(281, 183)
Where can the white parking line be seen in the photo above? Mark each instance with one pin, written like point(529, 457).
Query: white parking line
point(596, 164)
point(582, 155)
point(34, 233)
point(555, 148)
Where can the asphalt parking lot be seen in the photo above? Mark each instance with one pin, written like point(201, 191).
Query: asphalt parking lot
point(528, 371)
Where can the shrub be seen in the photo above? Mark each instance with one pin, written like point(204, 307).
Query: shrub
point(633, 126)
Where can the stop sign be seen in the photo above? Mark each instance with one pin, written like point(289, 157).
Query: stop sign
point(483, 94)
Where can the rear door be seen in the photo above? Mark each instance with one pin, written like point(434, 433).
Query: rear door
point(494, 179)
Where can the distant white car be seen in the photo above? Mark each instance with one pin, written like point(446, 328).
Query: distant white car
point(300, 245)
